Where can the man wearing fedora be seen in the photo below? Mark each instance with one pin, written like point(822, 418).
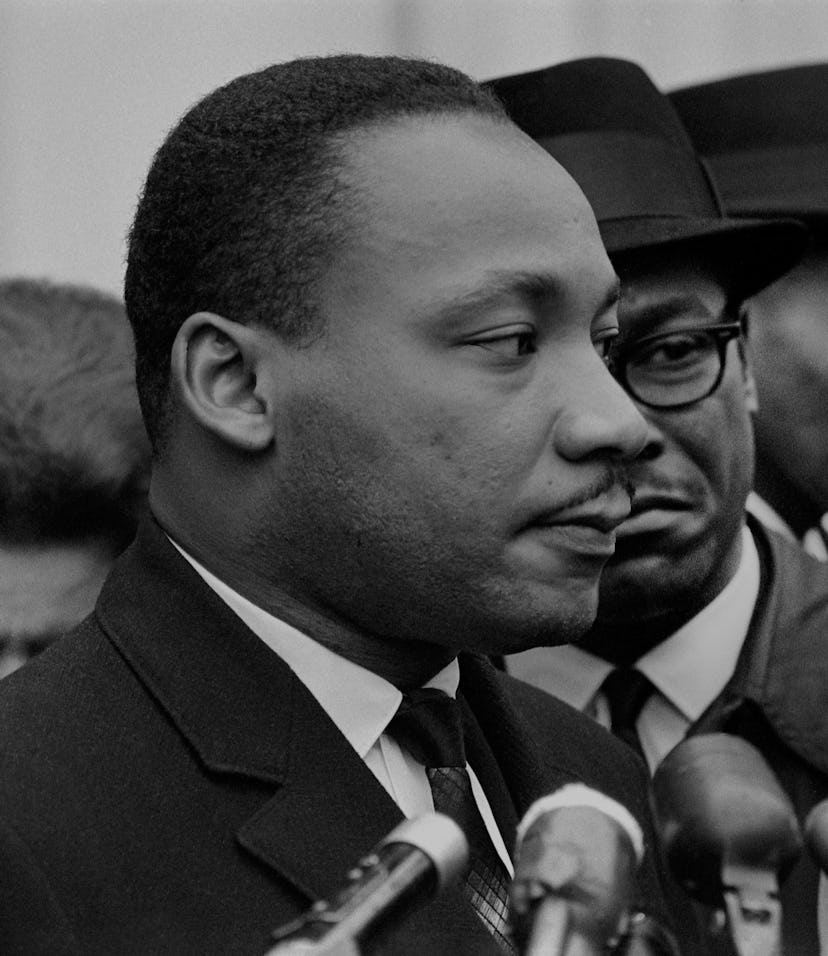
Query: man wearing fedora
point(764, 137)
point(707, 621)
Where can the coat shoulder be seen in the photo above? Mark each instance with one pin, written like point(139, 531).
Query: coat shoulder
point(785, 665)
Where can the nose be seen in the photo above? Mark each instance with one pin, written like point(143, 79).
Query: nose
point(601, 421)
point(654, 442)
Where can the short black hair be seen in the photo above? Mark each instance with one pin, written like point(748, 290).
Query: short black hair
point(74, 455)
point(243, 203)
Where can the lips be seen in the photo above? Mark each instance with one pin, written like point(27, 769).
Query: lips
point(645, 500)
point(656, 512)
point(580, 536)
point(602, 514)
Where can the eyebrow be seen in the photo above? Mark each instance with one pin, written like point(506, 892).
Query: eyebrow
point(533, 288)
point(649, 318)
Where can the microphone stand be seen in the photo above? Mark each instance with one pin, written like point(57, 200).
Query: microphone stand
point(337, 929)
point(417, 860)
point(645, 936)
point(728, 830)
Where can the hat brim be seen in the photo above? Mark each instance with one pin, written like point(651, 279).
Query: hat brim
point(750, 254)
point(782, 181)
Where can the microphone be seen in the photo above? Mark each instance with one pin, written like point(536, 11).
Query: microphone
point(645, 936)
point(728, 831)
point(575, 861)
point(816, 839)
point(816, 834)
point(417, 860)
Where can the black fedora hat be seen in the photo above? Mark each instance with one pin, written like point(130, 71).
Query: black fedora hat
point(765, 137)
point(620, 138)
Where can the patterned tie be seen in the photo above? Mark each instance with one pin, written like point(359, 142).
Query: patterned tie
point(627, 691)
point(429, 726)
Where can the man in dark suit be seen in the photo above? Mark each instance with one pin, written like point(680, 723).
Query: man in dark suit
point(706, 621)
point(372, 320)
point(764, 137)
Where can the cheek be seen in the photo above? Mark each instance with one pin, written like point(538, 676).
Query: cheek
point(719, 444)
point(423, 428)
point(373, 505)
point(383, 464)
point(469, 456)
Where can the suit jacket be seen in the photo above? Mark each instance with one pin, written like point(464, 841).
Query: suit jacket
point(778, 700)
point(168, 786)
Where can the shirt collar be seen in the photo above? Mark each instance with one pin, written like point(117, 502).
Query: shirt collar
point(566, 671)
point(692, 667)
point(358, 701)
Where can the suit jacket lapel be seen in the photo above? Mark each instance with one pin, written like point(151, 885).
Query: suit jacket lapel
point(328, 812)
point(244, 713)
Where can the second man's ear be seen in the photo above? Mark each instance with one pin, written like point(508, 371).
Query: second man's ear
point(214, 372)
point(751, 392)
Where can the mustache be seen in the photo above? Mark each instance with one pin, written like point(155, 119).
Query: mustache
point(655, 483)
point(615, 476)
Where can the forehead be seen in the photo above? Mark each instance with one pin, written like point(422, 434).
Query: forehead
point(47, 588)
point(460, 195)
point(662, 285)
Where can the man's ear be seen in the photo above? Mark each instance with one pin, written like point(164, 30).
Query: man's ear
point(214, 371)
point(751, 392)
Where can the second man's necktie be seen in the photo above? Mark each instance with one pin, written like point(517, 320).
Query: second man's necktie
point(627, 691)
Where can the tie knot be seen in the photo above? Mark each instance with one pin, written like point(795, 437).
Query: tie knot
point(428, 724)
point(626, 690)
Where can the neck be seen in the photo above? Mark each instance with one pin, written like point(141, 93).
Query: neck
point(405, 664)
point(221, 550)
point(623, 643)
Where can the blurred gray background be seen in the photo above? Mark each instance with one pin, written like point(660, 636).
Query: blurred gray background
point(88, 88)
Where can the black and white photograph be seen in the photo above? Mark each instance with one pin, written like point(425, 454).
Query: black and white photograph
point(413, 478)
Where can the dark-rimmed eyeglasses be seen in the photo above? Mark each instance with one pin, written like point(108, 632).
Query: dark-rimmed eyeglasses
point(674, 369)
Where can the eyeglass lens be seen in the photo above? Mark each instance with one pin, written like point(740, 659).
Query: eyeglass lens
point(676, 368)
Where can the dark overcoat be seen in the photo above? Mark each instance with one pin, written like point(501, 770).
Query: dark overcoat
point(778, 700)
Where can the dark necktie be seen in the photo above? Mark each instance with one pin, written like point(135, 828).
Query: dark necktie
point(429, 726)
point(627, 691)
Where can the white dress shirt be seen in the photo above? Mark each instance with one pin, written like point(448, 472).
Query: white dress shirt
point(688, 670)
point(359, 702)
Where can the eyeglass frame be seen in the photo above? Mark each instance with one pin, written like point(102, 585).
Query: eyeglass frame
point(722, 332)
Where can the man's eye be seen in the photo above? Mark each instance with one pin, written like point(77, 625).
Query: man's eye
point(603, 343)
point(513, 344)
point(679, 349)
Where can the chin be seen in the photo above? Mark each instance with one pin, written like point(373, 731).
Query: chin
point(546, 625)
point(652, 586)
